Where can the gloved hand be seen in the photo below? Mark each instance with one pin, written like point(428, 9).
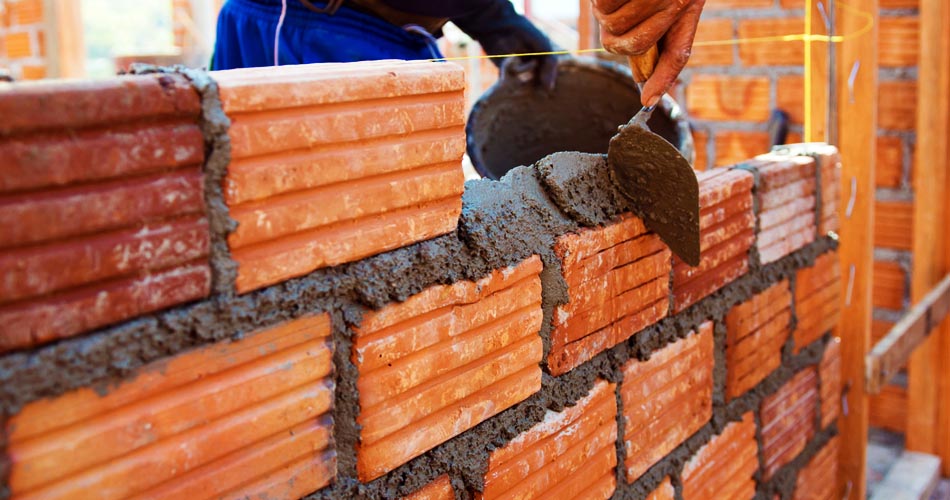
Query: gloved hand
point(631, 27)
point(501, 30)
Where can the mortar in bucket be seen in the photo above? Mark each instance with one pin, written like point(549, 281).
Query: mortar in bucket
point(515, 124)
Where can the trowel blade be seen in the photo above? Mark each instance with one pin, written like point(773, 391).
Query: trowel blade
point(661, 184)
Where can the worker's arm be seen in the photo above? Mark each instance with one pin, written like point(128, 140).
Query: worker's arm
point(631, 27)
point(501, 30)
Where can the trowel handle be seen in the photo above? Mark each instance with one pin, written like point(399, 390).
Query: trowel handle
point(643, 64)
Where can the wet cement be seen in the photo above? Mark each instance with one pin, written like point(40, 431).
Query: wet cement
point(502, 223)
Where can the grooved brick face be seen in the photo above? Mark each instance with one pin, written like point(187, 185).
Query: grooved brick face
point(897, 105)
point(713, 55)
point(788, 420)
point(787, 200)
point(725, 466)
point(569, 453)
point(101, 201)
point(247, 418)
point(666, 399)
point(769, 53)
point(726, 225)
point(829, 373)
point(829, 165)
point(893, 224)
point(618, 281)
point(898, 41)
point(444, 361)
point(332, 163)
point(756, 330)
point(439, 489)
point(25, 11)
point(728, 98)
point(663, 492)
point(890, 161)
point(818, 480)
point(890, 285)
point(818, 295)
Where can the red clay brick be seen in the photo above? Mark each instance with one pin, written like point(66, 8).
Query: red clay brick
point(818, 480)
point(688, 294)
point(818, 292)
point(794, 241)
point(788, 420)
point(26, 11)
point(888, 410)
point(796, 223)
point(898, 41)
point(890, 283)
point(737, 4)
point(718, 185)
point(263, 430)
point(778, 215)
point(663, 492)
point(40, 161)
point(899, 4)
point(737, 245)
point(36, 217)
point(421, 385)
point(893, 224)
point(829, 374)
point(771, 53)
point(756, 330)
point(45, 319)
point(776, 169)
point(714, 97)
point(890, 161)
point(575, 247)
point(37, 271)
point(724, 467)
point(18, 46)
point(897, 105)
point(67, 104)
point(618, 279)
point(713, 30)
point(550, 457)
point(700, 140)
point(677, 380)
point(790, 96)
point(390, 134)
point(710, 216)
point(565, 358)
point(787, 193)
point(439, 489)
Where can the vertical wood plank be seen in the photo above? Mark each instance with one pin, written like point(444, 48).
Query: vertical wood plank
point(66, 45)
point(857, 125)
point(817, 70)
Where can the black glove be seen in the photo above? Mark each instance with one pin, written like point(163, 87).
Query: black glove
point(501, 30)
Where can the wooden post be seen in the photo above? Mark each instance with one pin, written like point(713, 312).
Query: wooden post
point(66, 47)
point(928, 370)
point(857, 125)
point(817, 68)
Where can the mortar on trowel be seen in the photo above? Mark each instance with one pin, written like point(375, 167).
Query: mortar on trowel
point(515, 124)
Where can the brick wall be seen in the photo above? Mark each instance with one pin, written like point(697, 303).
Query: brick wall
point(274, 284)
point(23, 44)
point(729, 91)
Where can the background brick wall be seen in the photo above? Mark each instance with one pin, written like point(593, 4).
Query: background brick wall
point(540, 338)
point(23, 50)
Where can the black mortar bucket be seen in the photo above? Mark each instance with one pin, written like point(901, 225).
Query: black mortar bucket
point(515, 124)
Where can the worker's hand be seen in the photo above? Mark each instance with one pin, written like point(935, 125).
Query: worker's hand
point(631, 27)
point(501, 30)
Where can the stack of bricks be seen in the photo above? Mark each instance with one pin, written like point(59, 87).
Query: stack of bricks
point(23, 39)
point(727, 231)
point(276, 285)
point(898, 58)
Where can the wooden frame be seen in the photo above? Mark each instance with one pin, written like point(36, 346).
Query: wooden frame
point(857, 125)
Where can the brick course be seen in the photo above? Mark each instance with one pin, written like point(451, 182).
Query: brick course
point(756, 330)
point(724, 467)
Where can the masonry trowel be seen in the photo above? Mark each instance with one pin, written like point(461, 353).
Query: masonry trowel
point(654, 176)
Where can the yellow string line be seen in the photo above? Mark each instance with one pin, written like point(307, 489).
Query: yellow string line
point(798, 37)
